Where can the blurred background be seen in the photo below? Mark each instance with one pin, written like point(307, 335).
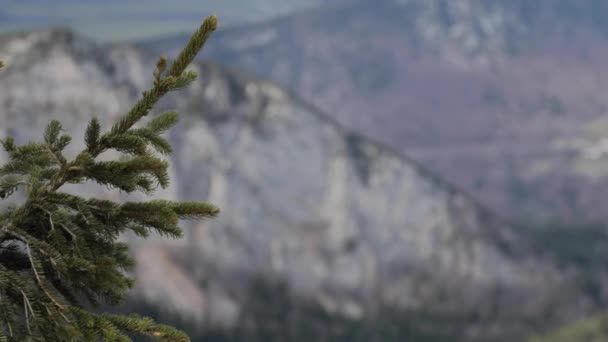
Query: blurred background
point(387, 170)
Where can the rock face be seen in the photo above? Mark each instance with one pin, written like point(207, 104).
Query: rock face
point(341, 220)
point(504, 98)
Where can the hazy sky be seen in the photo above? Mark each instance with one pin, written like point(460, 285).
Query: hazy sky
point(131, 19)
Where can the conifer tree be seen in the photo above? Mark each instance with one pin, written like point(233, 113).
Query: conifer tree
point(59, 253)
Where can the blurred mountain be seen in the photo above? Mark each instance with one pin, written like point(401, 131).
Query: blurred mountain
point(505, 98)
point(114, 20)
point(343, 222)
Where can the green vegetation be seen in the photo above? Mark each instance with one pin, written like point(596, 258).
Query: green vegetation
point(272, 313)
point(583, 246)
point(59, 253)
point(586, 330)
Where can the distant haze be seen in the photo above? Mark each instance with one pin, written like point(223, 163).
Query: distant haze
point(114, 20)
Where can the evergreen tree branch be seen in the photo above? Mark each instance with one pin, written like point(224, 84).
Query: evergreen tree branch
point(58, 250)
point(195, 44)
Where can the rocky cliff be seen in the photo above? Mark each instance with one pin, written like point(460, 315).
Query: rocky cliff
point(504, 98)
point(342, 221)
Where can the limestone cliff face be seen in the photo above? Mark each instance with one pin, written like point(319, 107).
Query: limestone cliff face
point(505, 98)
point(342, 220)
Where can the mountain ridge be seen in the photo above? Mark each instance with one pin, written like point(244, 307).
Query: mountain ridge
point(342, 221)
point(500, 98)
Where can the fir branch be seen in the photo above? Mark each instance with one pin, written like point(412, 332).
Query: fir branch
point(147, 327)
point(127, 143)
point(163, 122)
point(68, 244)
point(92, 135)
point(63, 142)
point(126, 173)
point(143, 106)
point(161, 65)
point(38, 273)
point(195, 44)
point(158, 143)
point(9, 144)
point(184, 80)
point(9, 184)
point(27, 307)
point(51, 133)
point(194, 210)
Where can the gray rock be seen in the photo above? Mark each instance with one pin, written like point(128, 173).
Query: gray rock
point(345, 222)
